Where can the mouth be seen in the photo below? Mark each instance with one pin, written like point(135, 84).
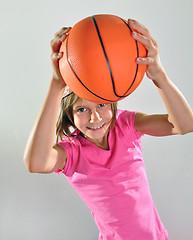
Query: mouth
point(96, 128)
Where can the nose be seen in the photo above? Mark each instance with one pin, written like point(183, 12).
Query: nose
point(95, 117)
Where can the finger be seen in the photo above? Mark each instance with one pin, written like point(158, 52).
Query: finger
point(60, 36)
point(62, 31)
point(139, 27)
point(145, 61)
point(142, 30)
point(147, 42)
point(57, 41)
point(56, 56)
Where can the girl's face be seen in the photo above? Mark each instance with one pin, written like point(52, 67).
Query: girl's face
point(93, 120)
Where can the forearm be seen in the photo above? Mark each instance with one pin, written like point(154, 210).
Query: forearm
point(179, 112)
point(42, 135)
point(180, 116)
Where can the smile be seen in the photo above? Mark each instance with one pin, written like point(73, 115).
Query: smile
point(95, 128)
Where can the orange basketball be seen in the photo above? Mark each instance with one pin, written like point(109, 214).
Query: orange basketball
point(99, 59)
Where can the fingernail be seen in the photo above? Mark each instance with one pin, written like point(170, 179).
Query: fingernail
point(131, 21)
point(139, 60)
point(134, 34)
point(59, 54)
point(64, 35)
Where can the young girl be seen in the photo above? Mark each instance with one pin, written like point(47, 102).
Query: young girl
point(102, 157)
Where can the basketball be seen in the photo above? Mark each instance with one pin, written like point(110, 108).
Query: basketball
point(99, 59)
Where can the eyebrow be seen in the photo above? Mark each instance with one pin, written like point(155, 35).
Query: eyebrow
point(76, 107)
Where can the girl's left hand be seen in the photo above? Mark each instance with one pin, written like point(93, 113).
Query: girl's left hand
point(155, 71)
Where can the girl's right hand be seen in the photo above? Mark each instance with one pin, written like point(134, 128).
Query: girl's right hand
point(59, 37)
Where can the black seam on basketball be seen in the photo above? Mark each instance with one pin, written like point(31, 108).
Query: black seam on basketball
point(107, 60)
point(69, 61)
point(110, 71)
point(106, 57)
point(137, 48)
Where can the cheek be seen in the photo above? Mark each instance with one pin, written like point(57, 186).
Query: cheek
point(79, 121)
point(109, 115)
point(76, 121)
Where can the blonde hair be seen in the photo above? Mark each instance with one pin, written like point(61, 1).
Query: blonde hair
point(65, 120)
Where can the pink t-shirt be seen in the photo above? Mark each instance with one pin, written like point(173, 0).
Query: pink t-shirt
point(113, 183)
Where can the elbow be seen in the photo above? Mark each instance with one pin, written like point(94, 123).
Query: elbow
point(28, 165)
point(31, 170)
point(188, 126)
point(28, 162)
point(33, 166)
point(185, 130)
point(182, 127)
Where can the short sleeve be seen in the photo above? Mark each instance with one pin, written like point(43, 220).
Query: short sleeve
point(71, 151)
point(127, 120)
point(131, 122)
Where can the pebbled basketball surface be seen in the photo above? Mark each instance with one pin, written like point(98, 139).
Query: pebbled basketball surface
point(99, 62)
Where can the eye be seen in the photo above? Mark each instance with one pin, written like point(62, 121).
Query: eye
point(102, 105)
point(81, 109)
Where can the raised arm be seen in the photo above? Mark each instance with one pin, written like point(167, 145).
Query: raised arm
point(179, 117)
point(40, 155)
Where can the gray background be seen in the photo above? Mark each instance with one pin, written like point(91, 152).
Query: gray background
point(38, 206)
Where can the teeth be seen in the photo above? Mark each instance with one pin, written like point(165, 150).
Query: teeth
point(95, 127)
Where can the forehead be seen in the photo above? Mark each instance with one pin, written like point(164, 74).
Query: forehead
point(83, 102)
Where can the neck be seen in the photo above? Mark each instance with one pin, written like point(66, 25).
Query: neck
point(101, 143)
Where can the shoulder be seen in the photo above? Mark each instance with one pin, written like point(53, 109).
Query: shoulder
point(126, 117)
point(69, 142)
point(71, 146)
point(125, 123)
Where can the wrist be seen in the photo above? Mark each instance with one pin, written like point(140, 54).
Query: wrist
point(58, 84)
point(57, 88)
point(160, 79)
